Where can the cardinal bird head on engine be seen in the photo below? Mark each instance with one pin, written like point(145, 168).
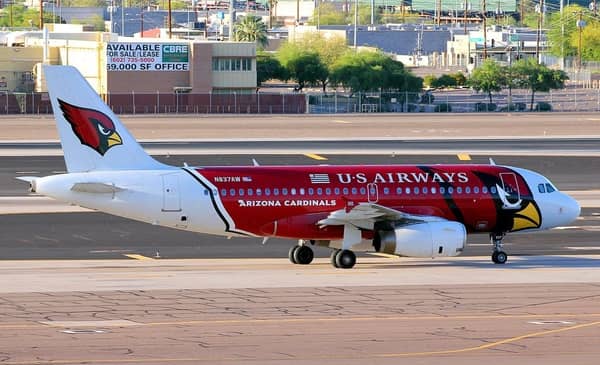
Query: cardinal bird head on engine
point(93, 128)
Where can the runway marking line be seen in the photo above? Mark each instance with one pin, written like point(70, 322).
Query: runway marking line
point(381, 254)
point(314, 156)
point(138, 257)
point(464, 156)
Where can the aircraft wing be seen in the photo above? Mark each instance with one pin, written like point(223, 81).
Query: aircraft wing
point(364, 215)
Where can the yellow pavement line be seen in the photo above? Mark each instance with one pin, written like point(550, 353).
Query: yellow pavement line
point(138, 257)
point(491, 344)
point(315, 156)
point(464, 157)
point(342, 122)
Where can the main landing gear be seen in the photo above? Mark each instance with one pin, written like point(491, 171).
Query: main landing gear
point(343, 259)
point(498, 256)
point(301, 254)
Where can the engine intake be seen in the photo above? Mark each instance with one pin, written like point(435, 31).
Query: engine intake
point(430, 239)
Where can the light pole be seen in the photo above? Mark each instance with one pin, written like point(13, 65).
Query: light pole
point(355, 24)
point(580, 25)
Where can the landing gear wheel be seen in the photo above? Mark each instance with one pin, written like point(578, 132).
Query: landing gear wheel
point(291, 254)
point(345, 259)
point(499, 257)
point(303, 255)
point(332, 258)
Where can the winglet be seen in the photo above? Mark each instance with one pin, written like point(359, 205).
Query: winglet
point(255, 163)
point(492, 162)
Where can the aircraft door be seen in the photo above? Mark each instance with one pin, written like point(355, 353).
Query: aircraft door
point(171, 195)
point(511, 186)
point(372, 193)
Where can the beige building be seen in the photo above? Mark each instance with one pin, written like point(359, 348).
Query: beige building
point(114, 64)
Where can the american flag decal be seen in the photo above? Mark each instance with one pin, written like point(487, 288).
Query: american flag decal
point(319, 178)
point(246, 179)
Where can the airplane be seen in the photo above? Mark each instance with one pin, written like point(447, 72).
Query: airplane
point(403, 210)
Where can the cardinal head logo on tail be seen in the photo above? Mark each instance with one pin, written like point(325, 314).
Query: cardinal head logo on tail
point(93, 128)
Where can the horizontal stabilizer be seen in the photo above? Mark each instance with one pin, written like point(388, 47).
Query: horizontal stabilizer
point(96, 188)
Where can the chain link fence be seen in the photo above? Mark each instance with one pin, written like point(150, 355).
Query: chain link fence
point(461, 101)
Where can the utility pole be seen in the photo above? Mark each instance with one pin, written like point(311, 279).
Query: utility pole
point(580, 25)
point(355, 25)
point(484, 32)
point(539, 31)
point(466, 10)
point(521, 11)
point(439, 12)
point(41, 14)
point(169, 19)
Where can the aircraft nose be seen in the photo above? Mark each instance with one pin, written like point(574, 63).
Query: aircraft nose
point(569, 209)
point(559, 211)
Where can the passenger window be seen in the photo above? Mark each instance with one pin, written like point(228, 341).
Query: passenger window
point(302, 192)
point(223, 192)
point(459, 190)
point(258, 192)
point(442, 190)
point(386, 191)
point(416, 190)
point(284, 191)
point(363, 191)
point(398, 191)
point(337, 191)
point(476, 190)
point(241, 192)
point(328, 191)
point(232, 192)
point(424, 190)
point(493, 190)
point(541, 188)
point(275, 191)
point(293, 191)
point(267, 191)
point(433, 190)
point(311, 191)
point(550, 188)
point(468, 190)
point(484, 190)
point(354, 191)
point(319, 191)
point(407, 190)
point(345, 191)
point(250, 192)
point(450, 190)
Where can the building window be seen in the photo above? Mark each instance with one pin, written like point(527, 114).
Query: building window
point(232, 64)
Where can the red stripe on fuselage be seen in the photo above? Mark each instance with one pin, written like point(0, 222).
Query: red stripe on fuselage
point(287, 201)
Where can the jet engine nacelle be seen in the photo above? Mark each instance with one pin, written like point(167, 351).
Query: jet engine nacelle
point(430, 239)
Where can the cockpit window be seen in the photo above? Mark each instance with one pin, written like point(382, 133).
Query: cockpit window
point(542, 188)
point(550, 188)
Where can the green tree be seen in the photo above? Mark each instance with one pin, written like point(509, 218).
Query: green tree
point(268, 68)
point(489, 77)
point(328, 14)
point(23, 17)
point(251, 29)
point(590, 42)
point(373, 71)
point(329, 49)
point(562, 30)
point(537, 77)
point(307, 69)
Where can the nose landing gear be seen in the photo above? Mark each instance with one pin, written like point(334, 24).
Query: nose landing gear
point(498, 256)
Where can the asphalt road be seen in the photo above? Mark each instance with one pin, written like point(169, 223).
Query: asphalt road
point(369, 146)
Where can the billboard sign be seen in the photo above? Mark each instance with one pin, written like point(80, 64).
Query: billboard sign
point(125, 56)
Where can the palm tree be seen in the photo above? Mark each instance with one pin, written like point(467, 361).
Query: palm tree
point(251, 29)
